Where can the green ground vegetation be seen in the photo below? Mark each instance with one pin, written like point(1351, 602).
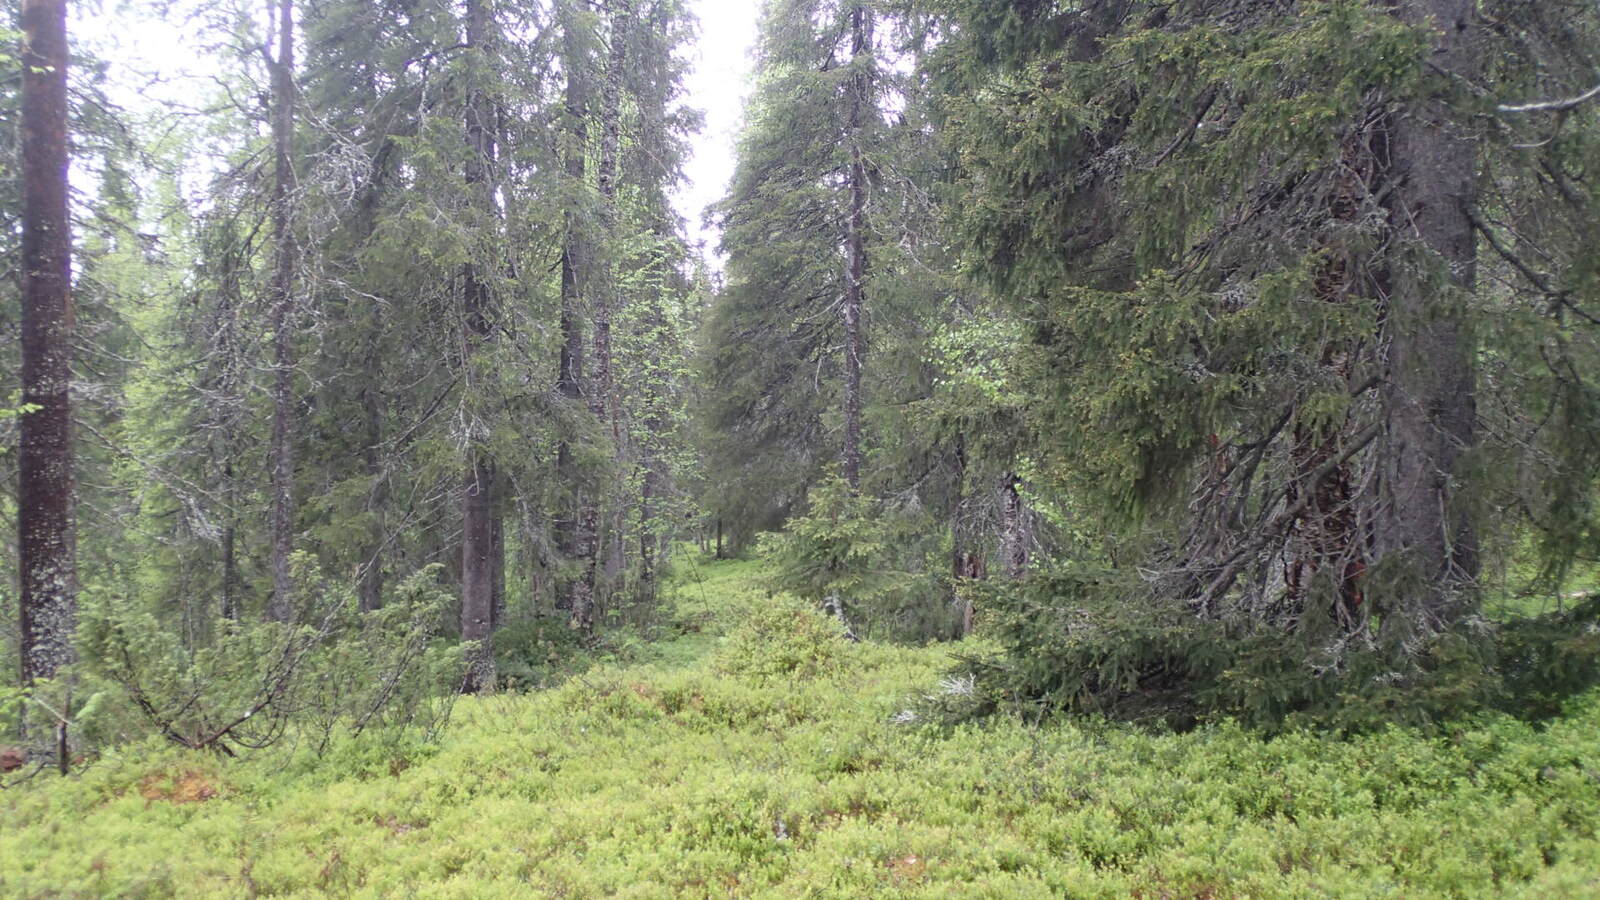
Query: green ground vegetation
point(752, 752)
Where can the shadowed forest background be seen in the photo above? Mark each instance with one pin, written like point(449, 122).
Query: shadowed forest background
point(1115, 447)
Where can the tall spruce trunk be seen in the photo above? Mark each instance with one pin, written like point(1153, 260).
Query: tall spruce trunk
point(228, 351)
point(654, 483)
point(1429, 397)
point(616, 565)
point(45, 517)
point(603, 402)
point(601, 396)
point(855, 286)
point(477, 570)
point(279, 606)
point(477, 512)
point(370, 578)
point(570, 538)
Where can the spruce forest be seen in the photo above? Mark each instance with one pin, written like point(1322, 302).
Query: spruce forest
point(1088, 448)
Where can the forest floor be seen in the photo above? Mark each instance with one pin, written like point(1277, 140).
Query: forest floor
point(755, 754)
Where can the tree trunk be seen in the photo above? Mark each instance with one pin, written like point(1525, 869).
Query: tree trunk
point(647, 555)
point(283, 316)
point(371, 581)
point(497, 562)
point(966, 561)
point(477, 512)
point(602, 402)
point(854, 300)
point(616, 543)
point(230, 538)
point(656, 424)
point(1014, 536)
point(1429, 396)
point(371, 571)
point(45, 516)
point(477, 572)
point(570, 375)
point(225, 415)
point(649, 483)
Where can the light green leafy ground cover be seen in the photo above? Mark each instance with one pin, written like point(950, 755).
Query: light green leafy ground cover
point(767, 762)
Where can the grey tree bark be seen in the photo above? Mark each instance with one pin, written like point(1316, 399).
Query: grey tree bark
point(230, 537)
point(46, 492)
point(1429, 395)
point(477, 513)
point(279, 604)
point(855, 286)
point(1014, 533)
point(371, 580)
point(966, 561)
point(570, 538)
point(601, 396)
point(654, 483)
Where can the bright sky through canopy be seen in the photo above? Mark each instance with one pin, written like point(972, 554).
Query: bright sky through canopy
point(161, 61)
point(718, 86)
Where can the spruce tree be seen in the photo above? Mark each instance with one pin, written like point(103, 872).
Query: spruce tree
point(285, 263)
point(787, 338)
point(45, 472)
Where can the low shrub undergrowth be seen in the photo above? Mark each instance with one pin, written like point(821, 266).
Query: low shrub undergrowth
point(719, 776)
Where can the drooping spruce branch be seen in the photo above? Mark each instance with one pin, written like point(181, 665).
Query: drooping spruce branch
point(1552, 105)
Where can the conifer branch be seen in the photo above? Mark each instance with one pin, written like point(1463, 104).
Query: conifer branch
point(1553, 105)
point(1283, 519)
